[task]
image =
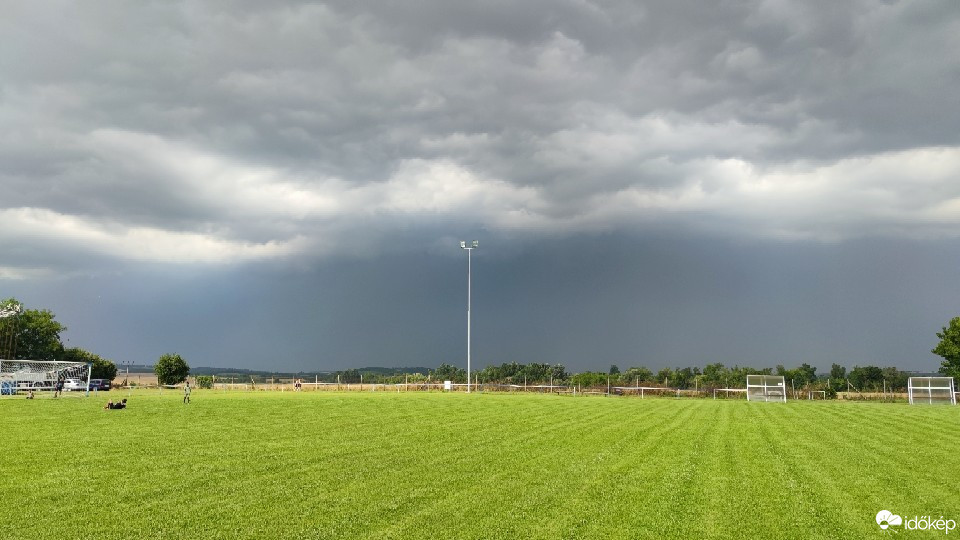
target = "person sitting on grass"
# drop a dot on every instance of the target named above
(30, 394)
(118, 405)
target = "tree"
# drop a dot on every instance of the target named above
(866, 377)
(637, 373)
(895, 379)
(838, 372)
(614, 370)
(590, 378)
(537, 373)
(32, 335)
(101, 369)
(805, 374)
(558, 373)
(350, 376)
(446, 372)
(949, 348)
(715, 375)
(171, 369)
(683, 378)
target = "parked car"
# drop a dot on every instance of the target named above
(71, 385)
(99, 384)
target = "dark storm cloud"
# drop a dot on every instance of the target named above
(208, 136)
(587, 302)
(633, 96)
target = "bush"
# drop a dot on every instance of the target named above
(205, 381)
(171, 369)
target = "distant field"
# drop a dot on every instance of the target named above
(416, 465)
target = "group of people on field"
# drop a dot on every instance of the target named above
(122, 404)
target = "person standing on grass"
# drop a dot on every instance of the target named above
(186, 392)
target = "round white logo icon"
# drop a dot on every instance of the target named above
(885, 518)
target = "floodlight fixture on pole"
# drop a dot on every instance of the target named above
(473, 245)
(10, 310)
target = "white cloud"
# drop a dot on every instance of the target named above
(907, 193)
(221, 183)
(17, 273)
(45, 229)
(253, 212)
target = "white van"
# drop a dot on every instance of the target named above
(74, 384)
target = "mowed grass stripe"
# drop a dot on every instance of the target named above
(389, 465)
(567, 465)
(880, 446)
(520, 468)
(624, 497)
(812, 443)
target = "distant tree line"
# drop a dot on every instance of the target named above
(716, 375)
(34, 334)
(507, 373)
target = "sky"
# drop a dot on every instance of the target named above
(284, 185)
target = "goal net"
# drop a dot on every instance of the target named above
(41, 375)
(766, 388)
(931, 390)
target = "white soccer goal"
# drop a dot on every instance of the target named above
(931, 390)
(766, 388)
(41, 375)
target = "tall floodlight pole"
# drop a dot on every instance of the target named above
(473, 245)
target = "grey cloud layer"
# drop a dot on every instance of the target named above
(219, 132)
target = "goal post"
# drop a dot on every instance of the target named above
(43, 375)
(931, 390)
(766, 388)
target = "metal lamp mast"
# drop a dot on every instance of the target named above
(473, 245)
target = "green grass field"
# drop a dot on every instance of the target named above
(415, 465)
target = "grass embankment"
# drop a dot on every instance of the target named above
(415, 465)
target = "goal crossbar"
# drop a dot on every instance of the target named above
(727, 391)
